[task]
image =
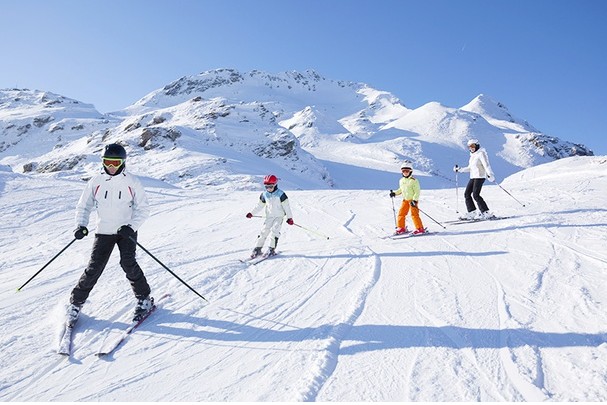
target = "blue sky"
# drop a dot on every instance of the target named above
(546, 60)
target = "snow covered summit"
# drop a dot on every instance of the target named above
(222, 124)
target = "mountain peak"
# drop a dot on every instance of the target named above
(487, 106)
(496, 113)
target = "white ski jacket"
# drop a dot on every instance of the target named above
(479, 166)
(276, 204)
(119, 200)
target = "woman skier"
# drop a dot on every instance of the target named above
(479, 169)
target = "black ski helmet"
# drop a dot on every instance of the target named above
(114, 150)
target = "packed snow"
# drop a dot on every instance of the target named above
(508, 310)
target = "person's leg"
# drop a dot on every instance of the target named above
(275, 232)
(102, 249)
(265, 231)
(129, 264)
(468, 196)
(476, 194)
(417, 221)
(402, 214)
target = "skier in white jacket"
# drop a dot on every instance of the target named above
(276, 204)
(479, 169)
(122, 207)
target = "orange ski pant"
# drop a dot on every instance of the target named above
(402, 213)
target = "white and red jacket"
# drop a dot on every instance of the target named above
(119, 200)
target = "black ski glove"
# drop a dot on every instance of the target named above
(392, 194)
(125, 231)
(81, 232)
(413, 203)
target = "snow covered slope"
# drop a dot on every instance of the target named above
(510, 310)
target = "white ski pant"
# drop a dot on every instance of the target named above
(271, 226)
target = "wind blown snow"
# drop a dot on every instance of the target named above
(509, 310)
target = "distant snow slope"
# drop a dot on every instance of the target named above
(510, 310)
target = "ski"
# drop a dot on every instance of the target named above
(258, 259)
(395, 235)
(411, 235)
(110, 347)
(467, 221)
(65, 344)
(263, 257)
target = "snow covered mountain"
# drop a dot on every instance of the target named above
(223, 125)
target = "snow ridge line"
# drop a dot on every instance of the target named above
(326, 364)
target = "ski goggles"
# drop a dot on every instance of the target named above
(270, 186)
(406, 169)
(113, 162)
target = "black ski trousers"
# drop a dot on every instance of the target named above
(473, 190)
(102, 249)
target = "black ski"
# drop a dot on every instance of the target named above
(111, 346)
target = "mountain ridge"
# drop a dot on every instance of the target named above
(303, 122)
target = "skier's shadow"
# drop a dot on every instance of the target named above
(396, 254)
(367, 338)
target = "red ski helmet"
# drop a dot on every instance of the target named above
(270, 179)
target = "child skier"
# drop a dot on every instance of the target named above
(276, 204)
(410, 190)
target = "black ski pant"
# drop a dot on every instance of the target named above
(473, 190)
(102, 249)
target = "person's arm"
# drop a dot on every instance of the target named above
(141, 207)
(85, 205)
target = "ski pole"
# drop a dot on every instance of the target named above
(456, 194)
(312, 231)
(510, 194)
(431, 218)
(49, 262)
(169, 270)
(394, 212)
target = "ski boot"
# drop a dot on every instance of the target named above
(485, 215)
(144, 306)
(469, 216)
(400, 231)
(73, 312)
(271, 252)
(256, 252)
(419, 231)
